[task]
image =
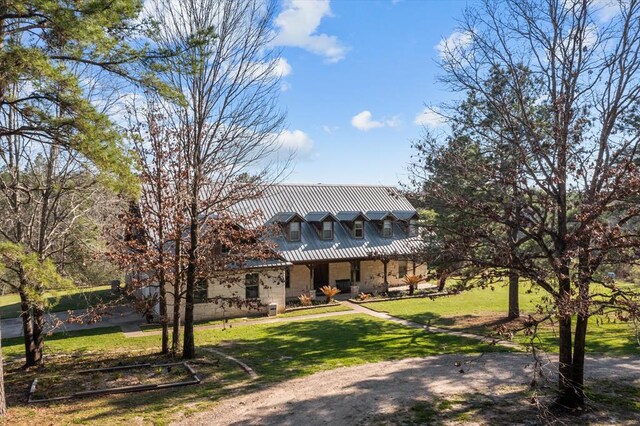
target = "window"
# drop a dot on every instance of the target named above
(200, 292)
(294, 231)
(413, 228)
(287, 278)
(402, 268)
(355, 271)
(387, 231)
(327, 230)
(358, 229)
(251, 284)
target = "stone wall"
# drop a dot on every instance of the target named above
(271, 289)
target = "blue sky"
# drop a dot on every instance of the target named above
(356, 76)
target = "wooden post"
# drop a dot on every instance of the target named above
(311, 268)
(385, 282)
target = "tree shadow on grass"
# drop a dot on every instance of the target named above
(289, 350)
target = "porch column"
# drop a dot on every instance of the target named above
(385, 282)
(311, 268)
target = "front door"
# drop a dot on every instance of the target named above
(320, 275)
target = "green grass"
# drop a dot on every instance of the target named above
(482, 310)
(277, 352)
(285, 350)
(449, 310)
(235, 321)
(314, 311)
(60, 301)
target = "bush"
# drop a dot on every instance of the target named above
(330, 292)
(305, 300)
(363, 296)
(412, 281)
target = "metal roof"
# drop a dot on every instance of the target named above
(284, 217)
(350, 216)
(380, 215)
(318, 216)
(304, 199)
(405, 214)
(341, 201)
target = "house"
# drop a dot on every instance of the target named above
(339, 235)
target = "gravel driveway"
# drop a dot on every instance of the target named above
(371, 393)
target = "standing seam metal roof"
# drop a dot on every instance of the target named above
(305, 199)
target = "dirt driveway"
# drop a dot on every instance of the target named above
(409, 391)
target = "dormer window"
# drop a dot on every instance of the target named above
(413, 228)
(358, 229)
(327, 230)
(387, 230)
(294, 231)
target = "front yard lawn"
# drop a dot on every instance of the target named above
(277, 352)
(65, 300)
(483, 310)
(315, 310)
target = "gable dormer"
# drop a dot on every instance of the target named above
(323, 223)
(290, 224)
(408, 220)
(354, 222)
(383, 222)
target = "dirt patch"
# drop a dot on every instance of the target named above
(447, 389)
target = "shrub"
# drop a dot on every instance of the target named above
(412, 281)
(329, 292)
(305, 300)
(364, 296)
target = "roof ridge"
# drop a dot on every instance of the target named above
(338, 184)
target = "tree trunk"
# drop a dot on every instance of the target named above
(567, 397)
(3, 400)
(177, 298)
(411, 289)
(188, 348)
(163, 312)
(514, 303)
(442, 280)
(580, 338)
(27, 330)
(38, 332)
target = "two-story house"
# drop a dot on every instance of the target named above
(363, 236)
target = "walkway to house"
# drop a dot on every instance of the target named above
(385, 316)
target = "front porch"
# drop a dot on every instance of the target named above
(369, 275)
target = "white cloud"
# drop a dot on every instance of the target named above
(393, 122)
(295, 142)
(454, 45)
(330, 129)
(429, 118)
(282, 68)
(298, 24)
(284, 86)
(362, 121)
(278, 68)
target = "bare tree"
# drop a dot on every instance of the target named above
(228, 123)
(577, 150)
